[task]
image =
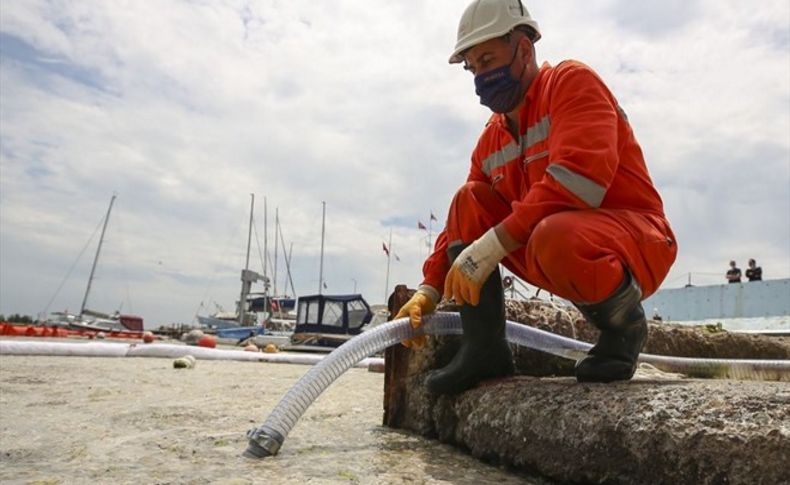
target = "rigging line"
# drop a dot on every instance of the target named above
(122, 247)
(258, 242)
(73, 265)
(270, 263)
(258, 245)
(287, 264)
(231, 235)
(260, 256)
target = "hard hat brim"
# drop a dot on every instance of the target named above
(472, 40)
(457, 56)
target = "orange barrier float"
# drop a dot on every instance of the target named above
(208, 341)
(11, 330)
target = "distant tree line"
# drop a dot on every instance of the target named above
(16, 318)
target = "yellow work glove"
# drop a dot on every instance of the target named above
(472, 267)
(421, 303)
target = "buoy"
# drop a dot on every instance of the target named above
(185, 362)
(208, 341)
(192, 337)
(101, 336)
(148, 337)
(251, 348)
(271, 349)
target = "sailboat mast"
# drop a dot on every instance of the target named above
(276, 245)
(387, 280)
(96, 258)
(321, 266)
(249, 232)
(245, 285)
(265, 241)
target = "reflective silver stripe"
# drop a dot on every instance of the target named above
(535, 134)
(579, 185)
(500, 158)
(536, 156)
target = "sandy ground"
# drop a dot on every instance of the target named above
(139, 420)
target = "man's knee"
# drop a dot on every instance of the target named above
(476, 208)
(554, 239)
(477, 194)
(570, 255)
(480, 197)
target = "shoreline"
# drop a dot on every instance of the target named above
(109, 420)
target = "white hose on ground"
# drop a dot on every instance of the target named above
(119, 349)
(83, 349)
(267, 439)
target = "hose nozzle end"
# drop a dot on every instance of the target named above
(254, 450)
(263, 442)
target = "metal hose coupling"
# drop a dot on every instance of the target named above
(264, 442)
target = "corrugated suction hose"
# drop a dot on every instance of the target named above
(267, 439)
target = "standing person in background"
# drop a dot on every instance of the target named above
(558, 192)
(734, 273)
(754, 272)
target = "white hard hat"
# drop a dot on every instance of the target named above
(488, 19)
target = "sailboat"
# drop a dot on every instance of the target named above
(254, 310)
(242, 317)
(92, 320)
(279, 308)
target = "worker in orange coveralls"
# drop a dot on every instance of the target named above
(558, 192)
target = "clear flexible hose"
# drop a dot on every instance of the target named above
(267, 439)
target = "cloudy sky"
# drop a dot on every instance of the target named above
(183, 109)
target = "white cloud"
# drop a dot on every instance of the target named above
(184, 108)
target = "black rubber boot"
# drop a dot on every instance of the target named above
(623, 326)
(484, 352)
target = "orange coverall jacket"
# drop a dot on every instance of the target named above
(573, 188)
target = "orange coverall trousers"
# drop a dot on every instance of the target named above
(579, 255)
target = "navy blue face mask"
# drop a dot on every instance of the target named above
(499, 89)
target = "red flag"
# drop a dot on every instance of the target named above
(433, 217)
(420, 225)
(385, 248)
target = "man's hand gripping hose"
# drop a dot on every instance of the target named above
(423, 302)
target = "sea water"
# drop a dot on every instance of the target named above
(139, 420)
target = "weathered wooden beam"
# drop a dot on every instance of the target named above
(396, 361)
